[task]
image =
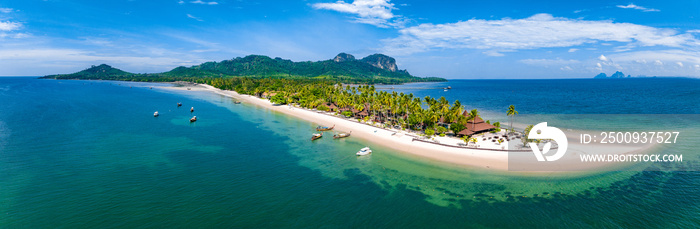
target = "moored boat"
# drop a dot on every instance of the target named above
(156, 114)
(236, 102)
(342, 135)
(364, 151)
(179, 104)
(193, 119)
(316, 136)
(324, 128)
(191, 109)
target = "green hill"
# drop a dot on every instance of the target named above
(95, 72)
(377, 68)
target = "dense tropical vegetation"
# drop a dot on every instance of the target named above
(392, 109)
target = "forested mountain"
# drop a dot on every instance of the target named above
(377, 68)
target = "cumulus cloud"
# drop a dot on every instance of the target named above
(658, 57)
(659, 62)
(602, 58)
(9, 26)
(537, 31)
(636, 7)
(373, 12)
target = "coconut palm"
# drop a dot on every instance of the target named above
(511, 114)
(472, 116)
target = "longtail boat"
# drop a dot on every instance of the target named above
(342, 135)
(324, 128)
(193, 119)
(316, 136)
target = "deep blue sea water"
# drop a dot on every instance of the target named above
(89, 154)
(569, 96)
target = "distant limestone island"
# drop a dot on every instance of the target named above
(616, 75)
(373, 69)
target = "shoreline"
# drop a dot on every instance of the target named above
(487, 159)
(484, 159)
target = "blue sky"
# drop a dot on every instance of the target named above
(450, 39)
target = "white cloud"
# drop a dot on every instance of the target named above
(9, 26)
(603, 58)
(659, 62)
(13, 35)
(548, 62)
(693, 31)
(537, 31)
(204, 3)
(658, 57)
(373, 12)
(62, 58)
(573, 50)
(193, 17)
(205, 50)
(636, 7)
(6, 10)
(566, 68)
(181, 2)
(493, 53)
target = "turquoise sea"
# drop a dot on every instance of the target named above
(90, 154)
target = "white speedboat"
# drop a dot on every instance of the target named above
(364, 151)
(156, 114)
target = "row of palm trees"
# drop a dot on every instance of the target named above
(362, 101)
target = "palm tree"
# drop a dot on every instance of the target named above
(359, 107)
(472, 116)
(511, 113)
(433, 117)
(454, 112)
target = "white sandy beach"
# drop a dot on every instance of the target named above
(478, 158)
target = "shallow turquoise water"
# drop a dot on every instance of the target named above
(87, 154)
